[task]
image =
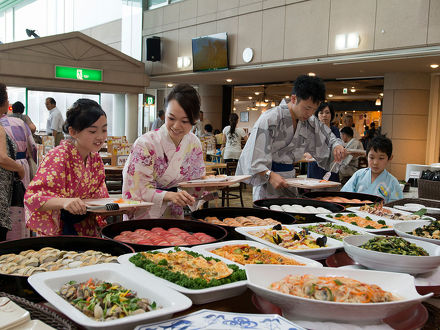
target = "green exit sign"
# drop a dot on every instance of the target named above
(66, 72)
(150, 100)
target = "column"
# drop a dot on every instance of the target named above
(131, 117)
(211, 100)
(405, 118)
(433, 143)
(118, 115)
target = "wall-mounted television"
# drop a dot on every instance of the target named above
(210, 52)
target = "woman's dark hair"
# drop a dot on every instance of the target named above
(322, 106)
(18, 107)
(217, 131)
(233, 120)
(381, 143)
(3, 94)
(208, 128)
(82, 114)
(306, 87)
(188, 99)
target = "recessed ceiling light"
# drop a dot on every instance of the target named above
(234, 108)
(236, 100)
(312, 74)
(170, 85)
(287, 96)
(250, 97)
(434, 66)
(330, 95)
(353, 90)
(229, 80)
(381, 94)
(257, 93)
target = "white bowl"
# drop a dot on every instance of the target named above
(207, 248)
(403, 228)
(46, 284)
(261, 276)
(198, 296)
(393, 262)
(317, 254)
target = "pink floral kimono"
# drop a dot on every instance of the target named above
(63, 174)
(155, 165)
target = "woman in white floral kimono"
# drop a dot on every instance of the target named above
(162, 158)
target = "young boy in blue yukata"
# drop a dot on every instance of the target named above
(375, 179)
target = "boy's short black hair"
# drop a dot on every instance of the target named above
(306, 87)
(347, 130)
(381, 143)
(208, 128)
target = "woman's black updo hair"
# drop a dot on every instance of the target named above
(82, 114)
(324, 105)
(18, 107)
(188, 99)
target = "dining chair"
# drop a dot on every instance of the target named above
(234, 191)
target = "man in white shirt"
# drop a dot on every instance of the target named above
(55, 122)
(160, 120)
(199, 127)
(348, 122)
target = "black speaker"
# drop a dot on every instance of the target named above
(153, 49)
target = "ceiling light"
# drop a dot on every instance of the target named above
(236, 100)
(287, 96)
(434, 66)
(229, 80)
(381, 94)
(266, 100)
(354, 110)
(257, 93)
(250, 97)
(353, 90)
(312, 74)
(272, 104)
(234, 109)
(170, 85)
(330, 95)
(378, 102)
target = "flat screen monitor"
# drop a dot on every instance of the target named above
(210, 52)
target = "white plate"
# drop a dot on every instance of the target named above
(216, 320)
(317, 254)
(410, 207)
(261, 276)
(46, 284)
(393, 262)
(209, 247)
(198, 296)
(356, 210)
(12, 315)
(389, 223)
(403, 228)
(356, 229)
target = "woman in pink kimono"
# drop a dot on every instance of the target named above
(162, 158)
(70, 173)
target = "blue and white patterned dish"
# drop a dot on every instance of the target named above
(210, 319)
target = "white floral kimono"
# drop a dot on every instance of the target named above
(155, 165)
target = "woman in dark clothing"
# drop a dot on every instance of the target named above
(325, 114)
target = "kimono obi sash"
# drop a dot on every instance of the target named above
(279, 167)
(20, 155)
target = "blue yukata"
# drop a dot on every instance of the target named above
(385, 185)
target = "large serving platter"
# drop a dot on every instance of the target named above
(402, 285)
(316, 254)
(403, 229)
(214, 182)
(394, 211)
(356, 229)
(329, 217)
(207, 248)
(171, 301)
(198, 296)
(425, 283)
(393, 262)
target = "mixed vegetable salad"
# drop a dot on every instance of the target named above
(394, 245)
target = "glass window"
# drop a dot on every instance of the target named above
(90, 13)
(30, 15)
(2, 27)
(151, 4)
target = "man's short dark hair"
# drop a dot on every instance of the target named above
(306, 87)
(160, 113)
(381, 143)
(348, 131)
(208, 128)
(18, 107)
(51, 100)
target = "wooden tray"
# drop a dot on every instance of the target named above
(309, 183)
(214, 182)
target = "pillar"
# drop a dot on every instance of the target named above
(131, 117)
(433, 142)
(211, 100)
(405, 118)
(118, 115)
